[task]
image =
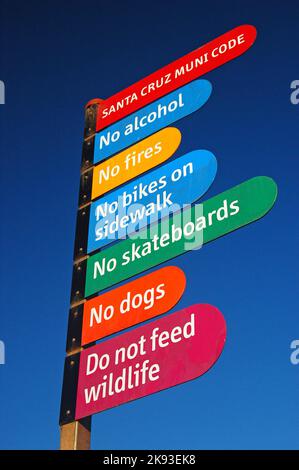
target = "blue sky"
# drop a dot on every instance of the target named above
(54, 58)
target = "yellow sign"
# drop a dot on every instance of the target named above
(135, 160)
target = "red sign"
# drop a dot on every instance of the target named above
(166, 352)
(132, 303)
(189, 67)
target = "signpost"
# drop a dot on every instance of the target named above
(134, 161)
(183, 232)
(189, 67)
(75, 434)
(175, 349)
(152, 118)
(151, 197)
(132, 303)
(180, 346)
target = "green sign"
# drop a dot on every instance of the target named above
(186, 230)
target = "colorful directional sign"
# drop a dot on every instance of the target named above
(152, 118)
(132, 138)
(189, 67)
(150, 198)
(185, 231)
(134, 161)
(132, 303)
(151, 358)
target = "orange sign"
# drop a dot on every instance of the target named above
(135, 160)
(132, 303)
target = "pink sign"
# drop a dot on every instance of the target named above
(166, 352)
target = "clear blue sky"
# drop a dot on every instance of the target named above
(55, 56)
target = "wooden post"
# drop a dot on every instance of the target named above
(75, 435)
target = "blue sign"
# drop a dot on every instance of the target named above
(147, 199)
(152, 118)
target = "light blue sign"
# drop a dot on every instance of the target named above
(147, 199)
(151, 119)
